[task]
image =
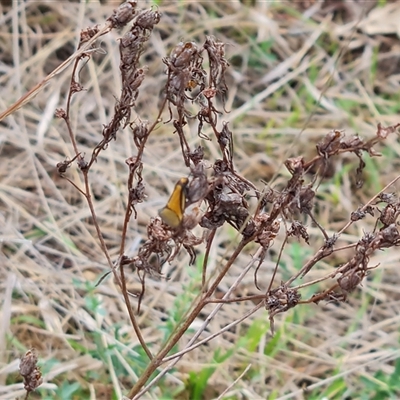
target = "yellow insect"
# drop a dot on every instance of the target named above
(172, 213)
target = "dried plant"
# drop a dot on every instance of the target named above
(214, 193)
(30, 372)
(211, 201)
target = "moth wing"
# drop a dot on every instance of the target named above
(170, 217)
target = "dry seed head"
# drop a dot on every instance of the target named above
(87, 34)
(351, 280)
(147, 19)
(30, 371)
(123, 14)
(182, 54)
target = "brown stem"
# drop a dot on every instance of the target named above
(205, 262)
(72, 136)
(122, 283)
(173, 340)
(138, 157)
(132, 316)
(37, 88)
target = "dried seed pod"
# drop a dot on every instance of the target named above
(30, 371)
(123, 14)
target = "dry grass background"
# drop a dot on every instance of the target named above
(295, 67)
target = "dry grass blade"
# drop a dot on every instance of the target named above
(38, 87)
(155, 238)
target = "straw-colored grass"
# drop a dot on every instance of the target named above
(298, 70)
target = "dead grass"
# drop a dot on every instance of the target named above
(295, 69)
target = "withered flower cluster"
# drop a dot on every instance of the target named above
(30, 371)
(197, 93)
(189, 82)
(297, 198)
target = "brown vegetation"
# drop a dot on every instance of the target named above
(88, 230)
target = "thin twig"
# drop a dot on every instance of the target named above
(37, 88)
